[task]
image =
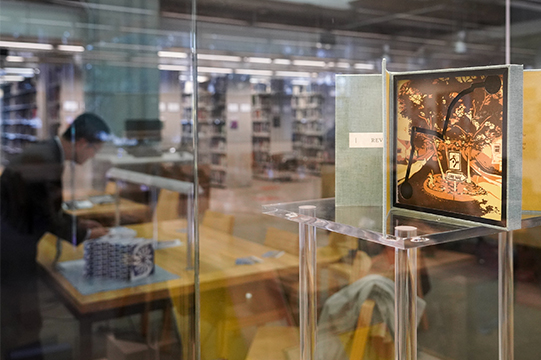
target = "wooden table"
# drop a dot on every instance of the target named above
(217, 270)
(130, 212)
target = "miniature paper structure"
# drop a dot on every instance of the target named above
(119, 255)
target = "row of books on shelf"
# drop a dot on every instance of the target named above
(261, 127)
(316, 157)
(18, 100)
(217, 178)
(261, 144)
(262, 100)
(302, 103)
(34, 122)
(312, 126)
(21, 136)
(204, 134)
(261, 157)
(19, 130)
(218, 159)
(204, 114)
(308, 114)
(262, 114)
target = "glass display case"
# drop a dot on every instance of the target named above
(245, 101)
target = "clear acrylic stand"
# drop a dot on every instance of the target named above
(308, 285)
(408, 235)
(155, 183)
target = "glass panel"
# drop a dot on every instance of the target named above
(266, 93)
(524, 35)
(289, 52)
(97, 185)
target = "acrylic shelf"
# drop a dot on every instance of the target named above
(365, 222)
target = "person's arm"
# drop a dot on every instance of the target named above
(62, 226)
(37, 180)
(48, 201)
(97, 232)
(93, 229)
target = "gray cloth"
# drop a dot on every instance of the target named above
(341, 311)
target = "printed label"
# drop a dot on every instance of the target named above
(365, 140)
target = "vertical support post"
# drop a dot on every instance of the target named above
(194, 344)
(508, 32)
(154, 207)
(190, 215)
(117, 203)
(505, 295)
(72, 195)
(308, 284)
(405, 302)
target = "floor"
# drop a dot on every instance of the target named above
(462, 307)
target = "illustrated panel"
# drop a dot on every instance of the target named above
(450, 146)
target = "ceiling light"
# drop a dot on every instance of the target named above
(309, 63)
(254, 72)
(300, 82)
(12, 78)
(259, 60)
(292, 73)
(460, 45)
(11, 58)
(71, 105)
(19, 71)
(172, 54)
(282, 61)
(343, 65)
(364, 66)
(71, 48)
(386, 53)
(188, 88)
(214, 70)
(219, 57)
(256, 80)
(25, 45)
(172, 67)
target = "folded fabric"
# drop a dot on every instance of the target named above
(340, 312)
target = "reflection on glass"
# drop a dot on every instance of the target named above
(31, 208)
(266, 113)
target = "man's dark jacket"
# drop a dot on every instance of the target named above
(31, 200)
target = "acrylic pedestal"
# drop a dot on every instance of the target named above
(406, 233)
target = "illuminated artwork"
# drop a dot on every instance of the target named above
(450, 142)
